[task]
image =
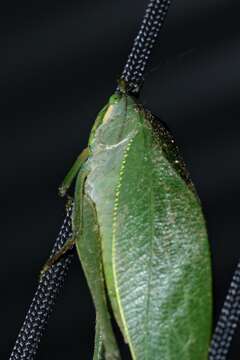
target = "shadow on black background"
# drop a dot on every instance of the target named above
(59, 63)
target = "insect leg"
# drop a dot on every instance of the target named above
(98, 342)
(77, 222)
(73, 172)
(55, 258)
(88, 243)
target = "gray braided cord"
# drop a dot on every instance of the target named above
(29, 337)
(153, 20)
(228, 320)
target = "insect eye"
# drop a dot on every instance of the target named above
(114, 98)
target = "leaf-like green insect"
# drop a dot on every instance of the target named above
(137, 220)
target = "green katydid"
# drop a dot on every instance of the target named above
(141, 237)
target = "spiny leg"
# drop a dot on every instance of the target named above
(77, 217)
(77, 222)
(88, 243)
(98, 342)
(73, 172)
(66, 247)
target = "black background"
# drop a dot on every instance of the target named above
(58, 65)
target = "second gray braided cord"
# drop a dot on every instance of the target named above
(228, 320)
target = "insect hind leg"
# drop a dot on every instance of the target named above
(77, 222)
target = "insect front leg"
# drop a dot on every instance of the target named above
(73, 172)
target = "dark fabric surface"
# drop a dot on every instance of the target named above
(59, 63)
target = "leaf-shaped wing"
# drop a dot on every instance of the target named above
(161, 260)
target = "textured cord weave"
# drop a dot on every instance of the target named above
(29, 337)
(228, 320)
(137, 61)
